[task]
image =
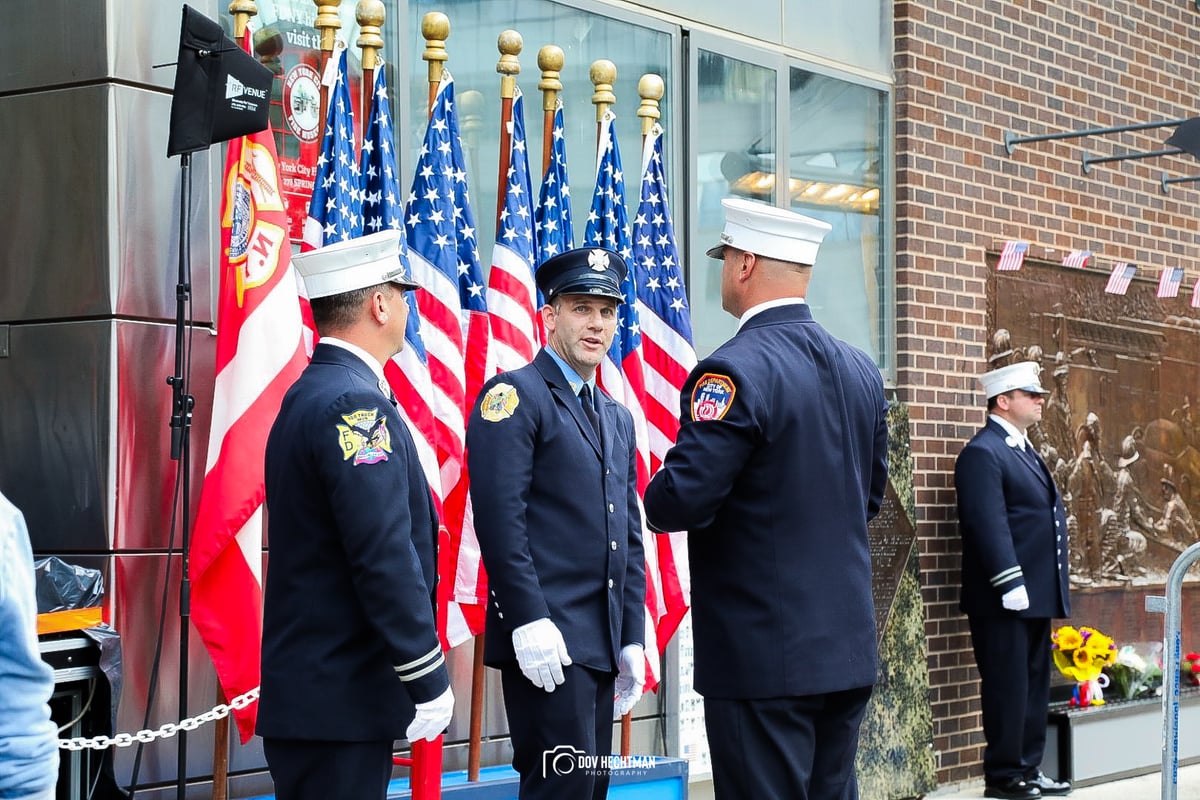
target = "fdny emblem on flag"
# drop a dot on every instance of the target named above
(499, 403)
(364, 437)
(712, 397)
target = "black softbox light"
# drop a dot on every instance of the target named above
(221, 91)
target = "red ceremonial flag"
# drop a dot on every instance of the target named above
(260, 353)
(1169, 281)
(1012, 256)
(1119, 279)
(1077, 258)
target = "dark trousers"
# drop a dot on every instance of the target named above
(1013, 656)
(785, 748)
(553, 731)
(313, 770)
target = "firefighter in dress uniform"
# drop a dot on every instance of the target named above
(350, 656)
(780, 461)
(553, 469)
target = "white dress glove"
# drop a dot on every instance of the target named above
(541, 653)
(631, 678)
(1015, 599)
(432, 717)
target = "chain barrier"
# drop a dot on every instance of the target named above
(163, 732)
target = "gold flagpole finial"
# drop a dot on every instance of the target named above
(550, 61)
(435, 27)
(509, 44)
(651, 89)
(241, 11)
(328, 22)
(370, 15)
(603, 74)
(470, 106)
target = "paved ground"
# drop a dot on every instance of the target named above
(1144, 787)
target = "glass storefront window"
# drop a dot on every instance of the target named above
(834, 175)
(732, 135)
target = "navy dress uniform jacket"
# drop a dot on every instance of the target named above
(776, 492)
(1014, 529)
(349, 636)
(556, 515)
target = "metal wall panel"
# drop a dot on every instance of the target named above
(55, 42)
(94, 207)
(57, 430)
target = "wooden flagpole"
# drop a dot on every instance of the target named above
(370, 15)
(509, 44)
(435, 27)
(603, 73)
(328, 23)
(550, 61)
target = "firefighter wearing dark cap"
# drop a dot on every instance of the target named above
(554, 489)
(779, 463)
(350, 653)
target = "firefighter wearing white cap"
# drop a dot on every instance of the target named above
(350, 655)
(780, 461)
(1014, 579)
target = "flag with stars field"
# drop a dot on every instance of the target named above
(335, 210)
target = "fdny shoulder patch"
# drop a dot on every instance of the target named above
(712, 397)
(365, 437)
(499, 403)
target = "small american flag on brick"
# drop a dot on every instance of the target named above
(1118, 280)
(1169, 281)
(1012, 256)
(1077, 258)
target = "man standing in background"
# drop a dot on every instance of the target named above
(1014, 579)
(28, 739)
(780, 462)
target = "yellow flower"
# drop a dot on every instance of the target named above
(1067, 638)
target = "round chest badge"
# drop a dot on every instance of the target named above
(302, 102)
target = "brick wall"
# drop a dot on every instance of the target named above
(966, 72)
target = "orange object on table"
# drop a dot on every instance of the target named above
(74, 619)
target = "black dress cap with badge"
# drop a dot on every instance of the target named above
(586, 270)
(769, 231)
(356, 264)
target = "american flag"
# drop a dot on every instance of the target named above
(1118, 281)
(622, 373)
(552, 220)
(511, 293)
(1169, 281)
(1012, 256)
(408, 371)
(669, 356)
(1077, 258)
(260, 351)
(335, 210)
(456, 332)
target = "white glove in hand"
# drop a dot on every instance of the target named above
(432, 717)
(1015, 599)
(541, 653)
(631, 678)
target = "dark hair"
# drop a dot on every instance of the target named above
(337, 312)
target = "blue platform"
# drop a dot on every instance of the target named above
(655, 778)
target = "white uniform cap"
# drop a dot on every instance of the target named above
(1023, 375)
(769, 231)
(354, 264)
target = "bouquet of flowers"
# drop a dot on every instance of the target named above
(1189, 670)
(1137, 671)
(1082, 655)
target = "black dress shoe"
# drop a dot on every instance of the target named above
(1012, 789)
(1048, 785)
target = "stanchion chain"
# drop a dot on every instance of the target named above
(165, 731)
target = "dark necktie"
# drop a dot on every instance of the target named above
(589, 408)
(1032, 457)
